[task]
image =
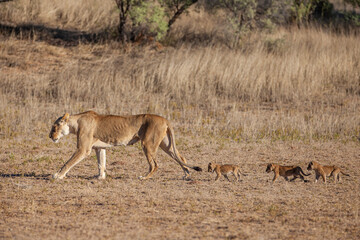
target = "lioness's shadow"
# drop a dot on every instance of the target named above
(26, 175)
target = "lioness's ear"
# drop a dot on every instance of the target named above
(66, 117)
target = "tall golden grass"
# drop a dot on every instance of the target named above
(85, 15)
(294, 84)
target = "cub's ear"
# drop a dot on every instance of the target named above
(66, 117)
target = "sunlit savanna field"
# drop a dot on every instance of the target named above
(289, 96)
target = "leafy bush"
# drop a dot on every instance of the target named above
(151, 17)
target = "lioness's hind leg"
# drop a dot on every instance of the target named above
(153, 166)
(166, 147)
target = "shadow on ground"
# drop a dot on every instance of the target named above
(28, 175)
(53, 36)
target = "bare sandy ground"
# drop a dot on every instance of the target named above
(33, 206)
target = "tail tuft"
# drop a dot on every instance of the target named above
(197, 169)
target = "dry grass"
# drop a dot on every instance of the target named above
(301, 84)
(81, 15)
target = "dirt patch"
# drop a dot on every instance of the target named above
(167, 207)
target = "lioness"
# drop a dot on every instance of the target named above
(102, 131)
(224, 170)
(286, 171)
(325, 171)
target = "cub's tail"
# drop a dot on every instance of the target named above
(304, 173)
(345, 174)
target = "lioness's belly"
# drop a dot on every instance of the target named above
(100, 144)
(115, 142)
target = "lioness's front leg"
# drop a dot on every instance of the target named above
(101, 158)
(79, 155)
(84, 146)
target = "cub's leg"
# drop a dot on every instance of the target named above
(336, 174)
(338, 177)
(295, 177)
(302, 177)
(101, 158)
(323, 175)
(236, 174)
(239, 175)
(218, 175)
(226, 176)
(275, 177)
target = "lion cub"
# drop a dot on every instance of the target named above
(286, 171)
(225, 170)
(325, 171)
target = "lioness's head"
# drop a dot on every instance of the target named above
(211, 167)
(60, 128)
(269, 167)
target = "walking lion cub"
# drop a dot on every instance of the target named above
(325, 171)
(225, 170)
(286, 171)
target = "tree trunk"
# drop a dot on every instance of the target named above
(179, 12)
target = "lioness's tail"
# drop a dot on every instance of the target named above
(304, 173)
(344, 173)
(171, 135)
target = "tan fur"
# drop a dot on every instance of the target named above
(225, 170)
(325, 171)
(95, 131)
(286, 171)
